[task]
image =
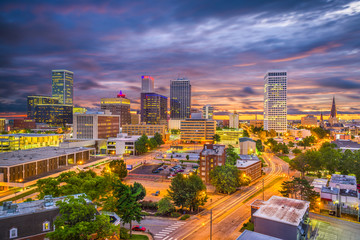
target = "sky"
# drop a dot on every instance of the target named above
(223, 47)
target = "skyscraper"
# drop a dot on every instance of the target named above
(234, 120)
(147, 84)
(153, 108)
(180, 98)
(118, 106)
(208, 111)
(62, 86)
(275, 107)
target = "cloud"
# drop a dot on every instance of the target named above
(88, 84)
(339, 83)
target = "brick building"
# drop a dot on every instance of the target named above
(211, 156)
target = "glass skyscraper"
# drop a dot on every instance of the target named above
(180, 98)
(62, 86)
(275, 96)
(147, 84)
(153, 108)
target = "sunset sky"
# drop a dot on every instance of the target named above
(223, 47)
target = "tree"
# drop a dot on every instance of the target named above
(187, 157)
(187, 191)
(126, 205)
(225, 178)
(231, 155)
(246, 133)
(165, 206)
(119, 168)
(301, 164)
(78, 220)
(272, 133)
(48, 186)
(319, 132)
(296, 151)
(259, 145)
(141, 145)
(216, 138)
(291, 144)
(153, 143)
(330, 156)
(159, 139)
(139, 190)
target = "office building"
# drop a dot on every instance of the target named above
(2, 124)
(281, 217)
(96, 126)
(79, 110)
(122, 145)
(309, 120)
(24, 123)
(247, 146)
(250, 165)
(23, 141)
(180, 98)
(257, 123)
(28, 165)
(229, 136)
(211, 156)
(153, 108)
(135, 117)
(62, 86)
(118, 106)
(197, 130)
(147, 84)
(174, 124)
(33, 101)
(147, 129)
(234, 120)
(275, 97)
(208, 112)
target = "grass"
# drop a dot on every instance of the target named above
(285, 158)
(22, 195)
(247, 226)
(139, 237)
(269, 185)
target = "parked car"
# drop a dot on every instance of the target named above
(183, 167)
(160, 168)
(165, 166)
(172, 169)
(138, 228)
(156, 171)
(180, 170)
(157, 193)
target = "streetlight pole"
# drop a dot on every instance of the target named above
(263, 189)
(210, 220)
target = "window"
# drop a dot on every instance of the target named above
(13, 233)
(46, 226)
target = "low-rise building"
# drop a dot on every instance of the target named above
(197, 130)
(250, 235)
(249, 165)
(318, 184)
(247, 146)
(147, 129)
(299, 133)
(283, 218)
(21, 168)
(257, 123)
(174, 123)
(309, 120)
(343, 182)
(122, 145)
(23, 141)
(347, 145)
(229, 136)
(211, 156)
(24, 124)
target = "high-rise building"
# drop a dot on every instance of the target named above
(153, 108)
(147, 84)
(234, 120)
(118, 106)
(275, 107)
(180, 98)
(208, 111)
(62, 86)
(2, 124)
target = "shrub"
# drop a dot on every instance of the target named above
(149, 205)
(184, 217)
(175, 214)
(124, 233)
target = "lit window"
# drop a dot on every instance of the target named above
(13, 233)
(46, 226)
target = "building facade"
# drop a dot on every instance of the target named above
(147, 129)
(197, 130)
(250, 165)
(275, 101)
(118, 106)
(211, 156)
(234, 120)
(153, 108)
(180, 98)
(63, 86)
(208, 111)
(147, 84)
(247, 146)
(122, 145)
(23, 141)
(95, 126)
(229, 136)
(309, 120)
(24, 124)
(2, 124)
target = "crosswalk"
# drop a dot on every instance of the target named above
(163, 234)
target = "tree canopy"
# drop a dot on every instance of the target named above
(227, 178)
(119, 168)
(231, 155)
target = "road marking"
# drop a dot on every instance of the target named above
(166, 238)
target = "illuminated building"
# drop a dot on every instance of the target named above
(180, 98)
(96, 126)
(147, 129)
(333, 119)
(48, 110)
(122, 145)
(197, 130)
(211, 156)
(24, 124)
(118, 106)
(23, 141)
(79, 110)
(275, 97)
(208, 111)
(62, 86)
(22, 168)
(153, 108)
(229, 136)
(135, 117)
(234, 120)
(247, 146)
(257, 123)
(147, 84)
(250, 165)
(309, 120)
(2, 124)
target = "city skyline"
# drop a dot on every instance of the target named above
(228, 47)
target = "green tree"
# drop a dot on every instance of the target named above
(291, 144)
(296, 151)
(141, 145)
(272, 133)
(259, 145)
(139, 190)
(330, 157)
(153, 143)
(48, 186)
(246, 133)
(165, 206)
(187, 157)
(119, 168)
(78, 220)
(301, 164)
(159, 139)
(231, 155)
(216, 138)
(225, 178)
(319, 132)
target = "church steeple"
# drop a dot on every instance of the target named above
(333, 109)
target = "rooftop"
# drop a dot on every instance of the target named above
(330, 190)
(319, 182)
(31, 155)
(213, 149)
(244, 139)
(343, 179)
(28, 135)
(285, 210)
(348, 192)
(347, 144)
(250, 235)
(257, 203)
(252, 157)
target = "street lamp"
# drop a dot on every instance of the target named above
(210, 220)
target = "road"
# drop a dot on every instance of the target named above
(229, 213)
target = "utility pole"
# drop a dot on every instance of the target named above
(263, 190)
(210, 220)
